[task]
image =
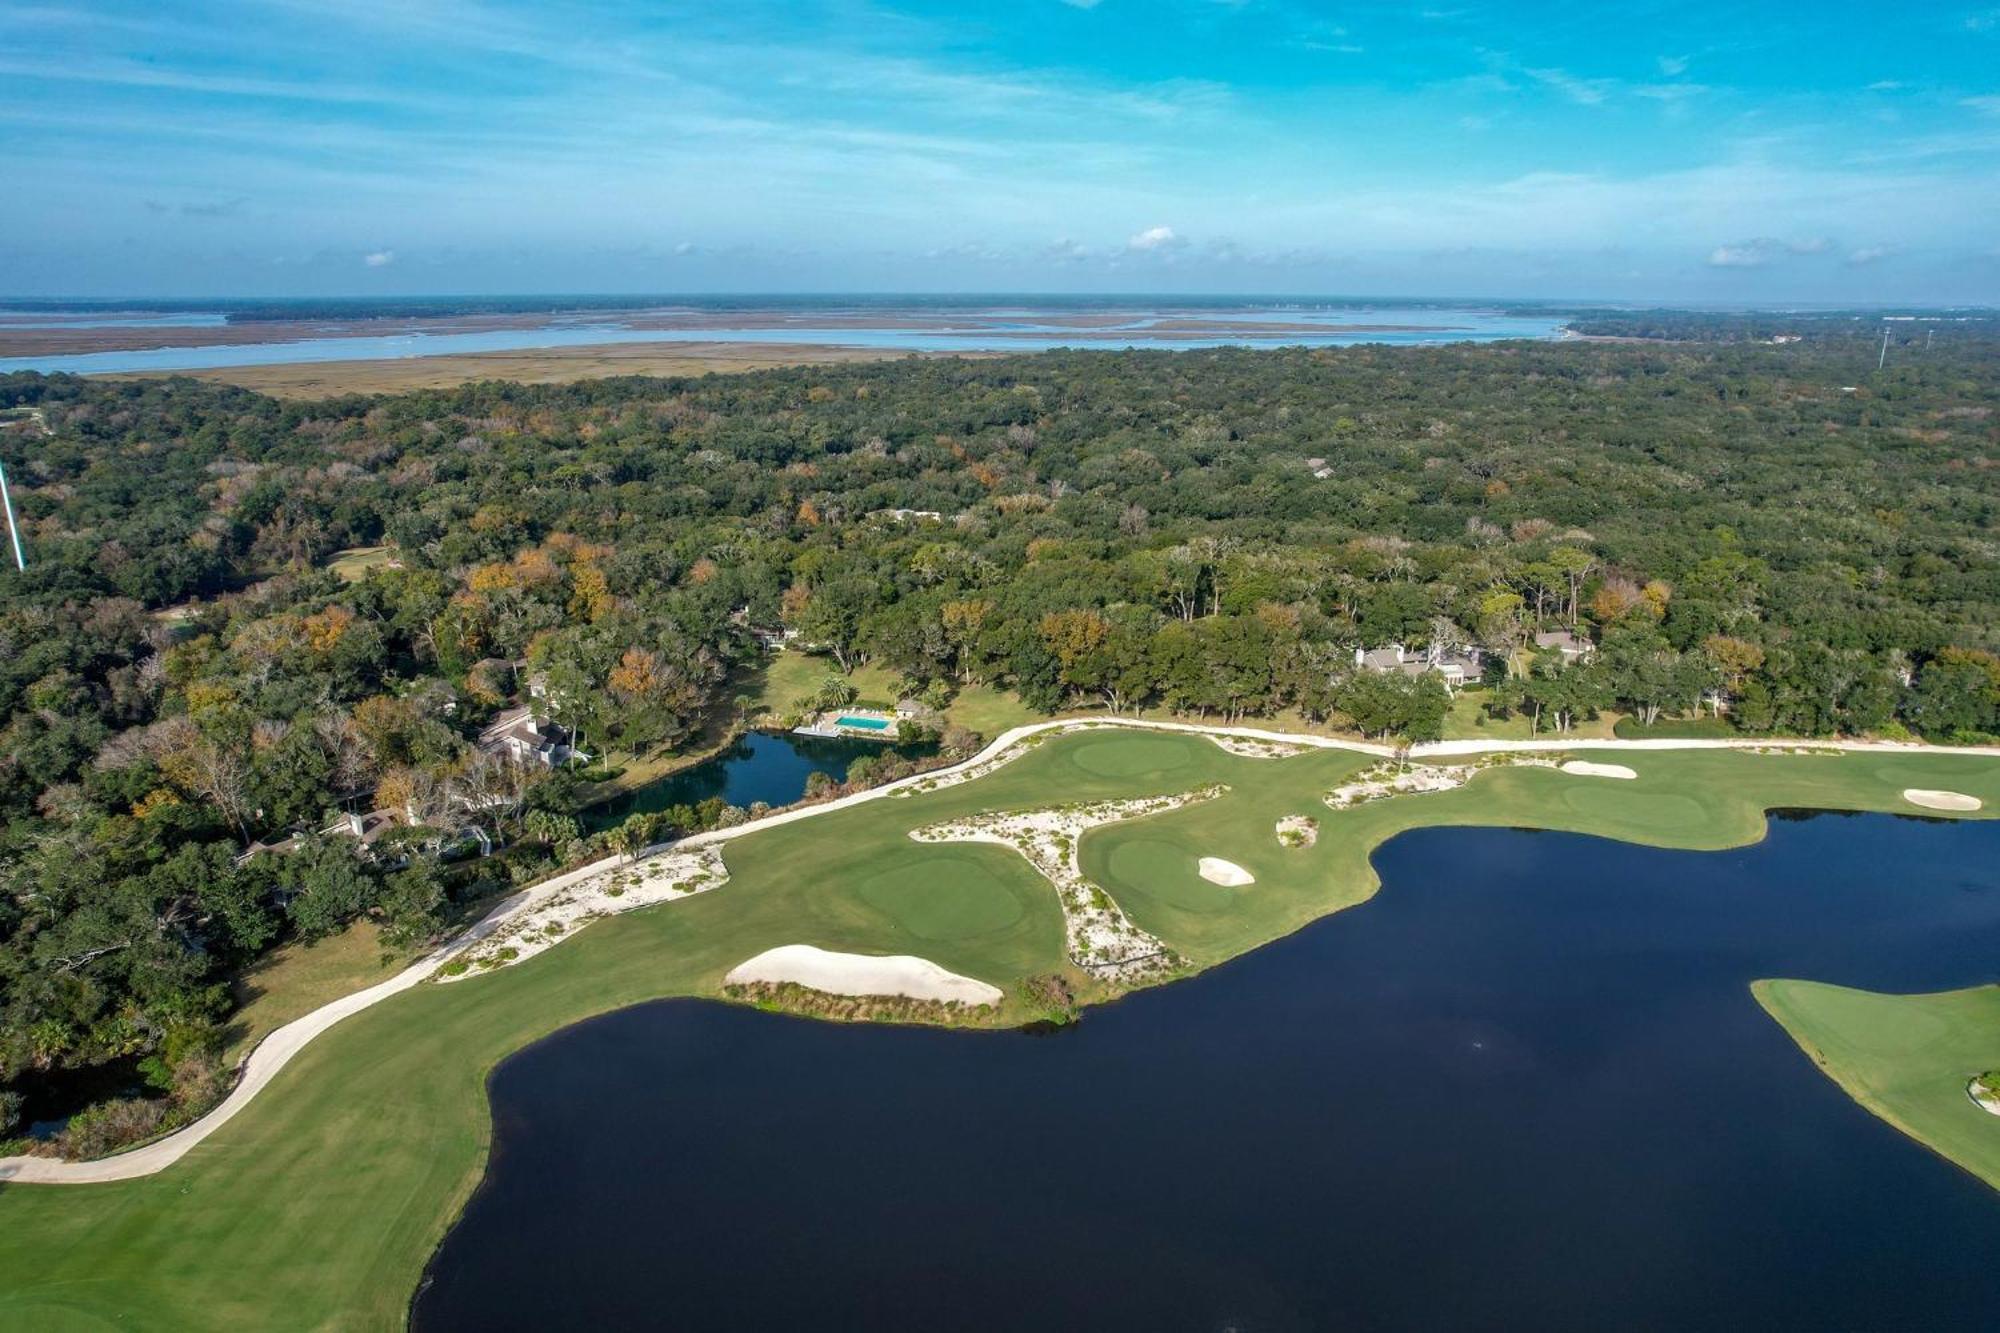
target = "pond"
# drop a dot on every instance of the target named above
(771, 767)
(1523, 1087)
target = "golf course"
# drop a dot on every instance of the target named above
(318, 1205)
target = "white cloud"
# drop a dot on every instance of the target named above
(1082, 4)
(379, 258)
(1156, 238)
(1762, 250)
(1885, 86)
(1870, 254)
(1988, 105)
(1670, 93)
(1673, 65)
(1587, 92)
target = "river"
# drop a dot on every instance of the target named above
(982, 331)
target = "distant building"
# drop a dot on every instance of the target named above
(1319, 467)
(909, 515)
(1572, 647)
(1455, 667)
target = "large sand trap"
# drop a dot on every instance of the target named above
(1583, 768)
(1218, 871)
(1940, 800)
(862, 974)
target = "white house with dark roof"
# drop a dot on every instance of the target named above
(519, 735)
(1455, 667)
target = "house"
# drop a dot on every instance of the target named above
(909, 515)
(519, 735)
(1319, 467)
(1455, 667)
(1572, 647)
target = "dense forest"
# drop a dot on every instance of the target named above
(1779, 539)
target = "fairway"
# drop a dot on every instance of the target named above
(362, 1151)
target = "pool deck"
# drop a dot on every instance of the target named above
(837, 723)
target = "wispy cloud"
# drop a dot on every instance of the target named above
(1156, 239)
(378, 258)
(1586, 92)
(1765, 250)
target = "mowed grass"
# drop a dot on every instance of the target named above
(788, 676)
(354, 563)
(318, 1205)
(297, 979)
(1907, 1058)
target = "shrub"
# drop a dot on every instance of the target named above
(109, 1126)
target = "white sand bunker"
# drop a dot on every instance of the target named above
(1227, 873)
(862, 974)
(1940, 800)
(1583, 768)
(1984, 1095)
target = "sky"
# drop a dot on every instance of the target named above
(1743, 152)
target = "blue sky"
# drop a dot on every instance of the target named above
(1744, 152)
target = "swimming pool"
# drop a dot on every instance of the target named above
(863, 723)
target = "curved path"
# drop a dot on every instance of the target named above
(276, 1050)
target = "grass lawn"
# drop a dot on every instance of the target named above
(319, 1204)
(354, 563)
(1467, 721)
(790, 675)
(297, 979)
(1907, 1058)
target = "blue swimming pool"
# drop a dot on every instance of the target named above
(863, 723)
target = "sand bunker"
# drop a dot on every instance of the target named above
(1583, 768)
(1227, 873)
(1940, 800)
(862, 974)
(1985, 1098)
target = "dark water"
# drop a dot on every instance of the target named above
(758, 767)
(50, 1098)
(1523, 1088)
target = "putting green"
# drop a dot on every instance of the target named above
(1137, 754)
(1907, 1058)
(318, 1205)
(947, 893)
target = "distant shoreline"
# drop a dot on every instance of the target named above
(191, 341)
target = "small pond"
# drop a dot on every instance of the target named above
(771, 767)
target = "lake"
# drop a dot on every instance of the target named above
(758, 766)
(1523, 1087)
(978, 330)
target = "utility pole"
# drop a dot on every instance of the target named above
(13, 527)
